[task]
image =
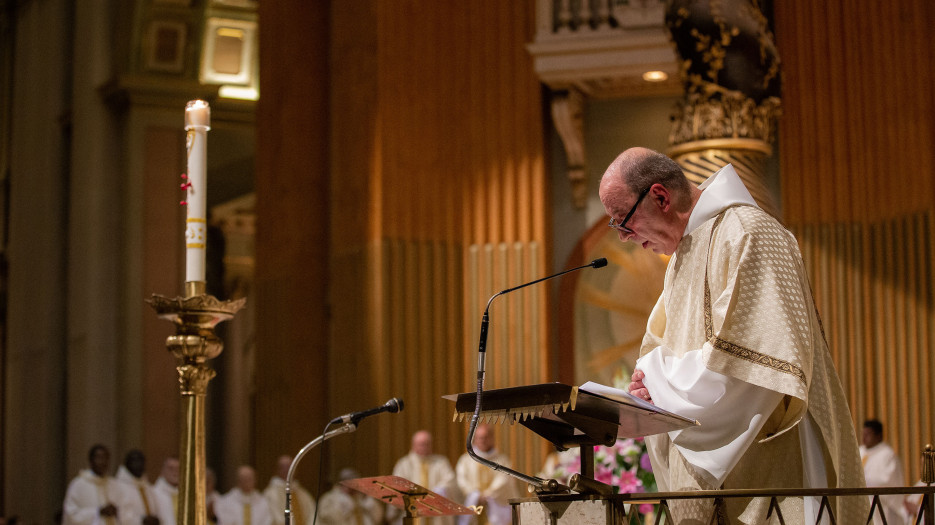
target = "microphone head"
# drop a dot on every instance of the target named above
(394, 405)
(599, 263)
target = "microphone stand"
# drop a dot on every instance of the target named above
(541, 485)
(347, 428)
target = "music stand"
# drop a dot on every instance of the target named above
(415, 500)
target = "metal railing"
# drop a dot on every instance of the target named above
(924, 514)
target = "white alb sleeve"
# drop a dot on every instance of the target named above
(730, 411)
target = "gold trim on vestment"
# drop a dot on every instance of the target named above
(758, 358)
(735, 349)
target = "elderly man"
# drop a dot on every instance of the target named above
(734, 341)
(432, 471)
(243, 504)
(166, 490)
(303, 505)
(483, 486)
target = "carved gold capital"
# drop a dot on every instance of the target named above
(193, 379)
(732, 115)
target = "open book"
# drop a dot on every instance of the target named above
(652, 419)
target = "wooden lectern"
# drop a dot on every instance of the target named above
(571, 416)
(416, 501)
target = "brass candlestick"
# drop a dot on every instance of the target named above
(194, 342)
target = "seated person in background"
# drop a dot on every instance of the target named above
(92, 498)
(432, 471)
(345, 506)
(303, 505)
(243, 504)
(139, 502)
(882, 468)
(484, 486)
(166, 490)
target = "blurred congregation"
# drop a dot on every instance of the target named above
(100, 496)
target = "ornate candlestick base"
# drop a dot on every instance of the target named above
(195, 317)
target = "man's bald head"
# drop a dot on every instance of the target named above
(422, 443)
(638, 168)
(282, 466)
(246, 479)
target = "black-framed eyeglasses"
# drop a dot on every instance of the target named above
(622, 225)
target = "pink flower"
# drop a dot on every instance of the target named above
(628, 482)
(645, 508)
(604, 475)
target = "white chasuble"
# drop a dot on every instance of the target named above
(735, 341)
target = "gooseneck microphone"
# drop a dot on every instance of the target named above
(482, 346)
(393, 405)
(349, 424)
(539, 483)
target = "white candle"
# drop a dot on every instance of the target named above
(197, 124)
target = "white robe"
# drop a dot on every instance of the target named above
(441, 480)
(339, 507)
(303, 505)
(138, 498)
(883, 468)
(231, 508)
(166, 501)
(85, 496)
(481, 484)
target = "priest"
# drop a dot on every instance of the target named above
(733, 341)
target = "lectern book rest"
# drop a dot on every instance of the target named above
(568, 416)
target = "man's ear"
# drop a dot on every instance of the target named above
(661, 197)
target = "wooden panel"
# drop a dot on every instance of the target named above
(857, 126)
(292, 257)
(857, 184)
(879, 327)
(435, 150)
(516, 334)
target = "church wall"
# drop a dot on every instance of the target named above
(292, 225)
(437, 156)
(35, 362)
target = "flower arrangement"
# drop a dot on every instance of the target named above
(624, 465)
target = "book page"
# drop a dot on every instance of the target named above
(625, 397)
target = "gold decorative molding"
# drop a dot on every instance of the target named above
(193, 379)
(733, 115)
